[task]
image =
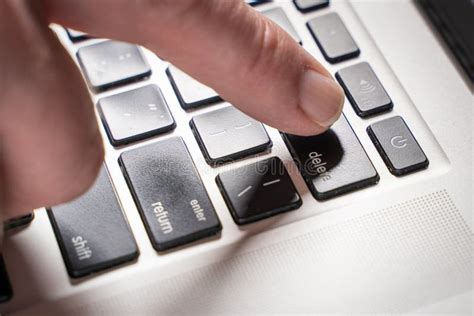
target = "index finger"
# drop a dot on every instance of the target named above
(228, 46)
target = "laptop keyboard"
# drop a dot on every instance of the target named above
(172, 200)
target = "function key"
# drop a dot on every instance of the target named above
(398, 147)
(364, 90)
(332, 163)
(310, 5)
(169, 194)
(258, 191)
(190, 92)
(92, 231)
(135, 115)
(228, 134)
(111, 63)
(333, 38)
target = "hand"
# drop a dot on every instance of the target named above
(50, 147)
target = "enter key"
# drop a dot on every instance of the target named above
(169, 194)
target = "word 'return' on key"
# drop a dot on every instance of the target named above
(169, 194)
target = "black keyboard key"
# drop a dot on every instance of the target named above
(6, 291)
(258, 191)
(92, 231)
(310, 5)
(18, 221)
(397, 146)
(279, 16)
(228, 134)
(334, 162)
(135, 115)
(364, 90)
(333, 38)
(110, 63)
(190, 92)
(169, 194)
(76, 36)
(257, 2)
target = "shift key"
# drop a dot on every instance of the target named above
(92, 231)
(169, 194)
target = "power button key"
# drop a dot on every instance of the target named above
(398, 147)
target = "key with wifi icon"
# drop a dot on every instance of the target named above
(364, 90)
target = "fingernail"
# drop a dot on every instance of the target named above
(321, 98)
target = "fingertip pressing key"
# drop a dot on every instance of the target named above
(321, 98)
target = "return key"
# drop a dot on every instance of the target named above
(169, 194)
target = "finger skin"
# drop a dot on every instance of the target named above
(227, 45)
(50, 145)
(50, 150)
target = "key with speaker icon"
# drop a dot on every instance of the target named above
(364, 90)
